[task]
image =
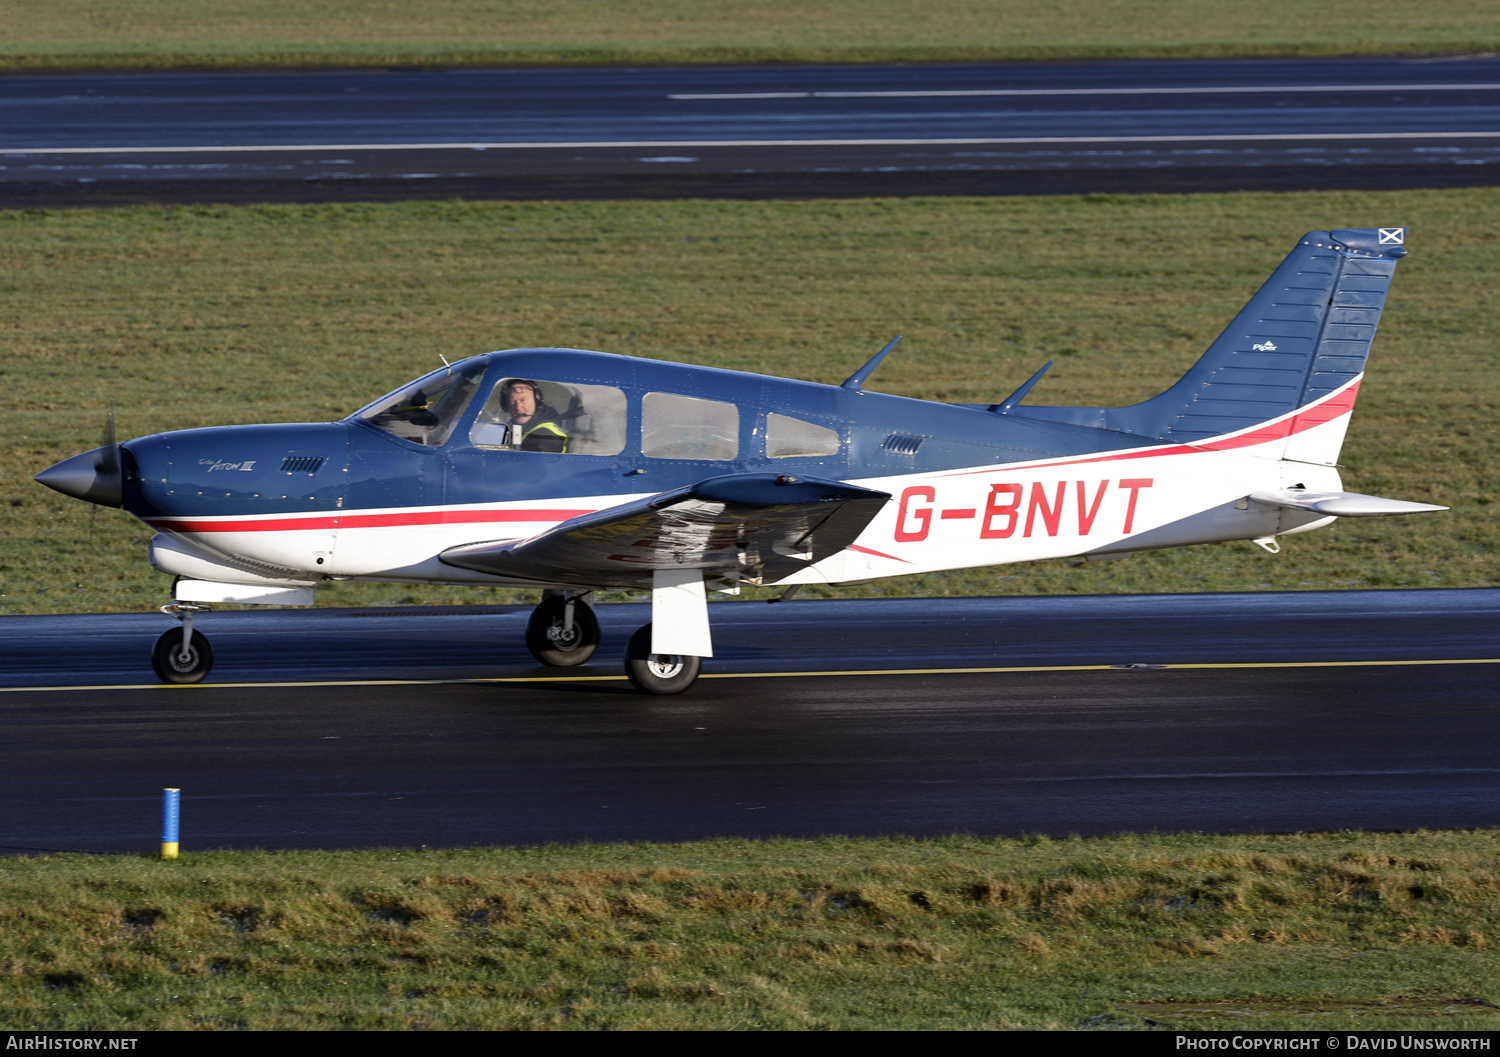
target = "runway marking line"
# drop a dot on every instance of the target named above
(924, 93)
(654, 144)
(752, 675)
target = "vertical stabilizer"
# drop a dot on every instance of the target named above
(1303, 337)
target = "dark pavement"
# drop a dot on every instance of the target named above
(748, 131)
(1295, 739)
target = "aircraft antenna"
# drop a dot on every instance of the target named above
(1020, 394)
(856, 380)
(446, 363)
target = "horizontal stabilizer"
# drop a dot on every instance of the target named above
(1342, 504)
(759, 527)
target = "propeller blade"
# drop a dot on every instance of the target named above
(109, 451)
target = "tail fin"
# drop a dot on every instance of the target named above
(1304, 335)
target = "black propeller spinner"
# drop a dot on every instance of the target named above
(94, 476)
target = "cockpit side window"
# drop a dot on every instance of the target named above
(427, 410)
(788, 437)
(688, 427)
(535, 414)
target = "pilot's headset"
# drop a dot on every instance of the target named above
(511, 383)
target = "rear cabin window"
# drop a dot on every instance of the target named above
(427, 410)
(788, 437)
(688, 427)
(538, 414)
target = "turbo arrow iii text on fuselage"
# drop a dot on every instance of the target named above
(574, 471)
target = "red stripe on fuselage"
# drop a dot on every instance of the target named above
(356, 520)
(867, 550)
(1297, 422)
(1301, 422)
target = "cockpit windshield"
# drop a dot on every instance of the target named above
(427, 410)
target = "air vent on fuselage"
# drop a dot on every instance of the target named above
(901, 444)
(308, 464)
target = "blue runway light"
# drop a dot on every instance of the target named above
(171, 802)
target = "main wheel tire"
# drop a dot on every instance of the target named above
(169, 663)
(658, 673)
(548, 644)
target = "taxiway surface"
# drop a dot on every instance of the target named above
(359, 728)
(749, 131)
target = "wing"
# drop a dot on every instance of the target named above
(760, 527)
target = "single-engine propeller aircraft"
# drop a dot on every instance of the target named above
(573, 471)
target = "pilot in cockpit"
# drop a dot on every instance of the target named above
(532, 425)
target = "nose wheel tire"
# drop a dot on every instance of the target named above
(172, 666)
(658, 673)
(550, 644)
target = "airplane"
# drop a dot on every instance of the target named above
(575, 471)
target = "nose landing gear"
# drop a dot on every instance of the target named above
(183, 656)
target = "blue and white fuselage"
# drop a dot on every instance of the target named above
(574, 470)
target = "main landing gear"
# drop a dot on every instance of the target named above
(563, 633)
(658, 673)
(183, 656)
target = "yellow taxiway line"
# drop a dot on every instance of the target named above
(752, 675)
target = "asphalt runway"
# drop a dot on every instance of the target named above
(748, 131)
(1090, 715)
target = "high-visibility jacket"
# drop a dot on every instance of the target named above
(544, 436)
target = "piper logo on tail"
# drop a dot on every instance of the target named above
(1263, 346)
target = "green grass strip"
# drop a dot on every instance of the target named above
(1312, 931)
(431, 60)
(137, 34)
(184, 317)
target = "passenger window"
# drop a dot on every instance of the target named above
(788, 437)
(686, 427)
(427, 410)
(532, 414)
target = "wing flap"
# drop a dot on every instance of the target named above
(760, 527)
(1342, 504)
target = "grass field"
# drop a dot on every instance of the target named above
(1344, 930)
(184, 317)
(125, 34)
